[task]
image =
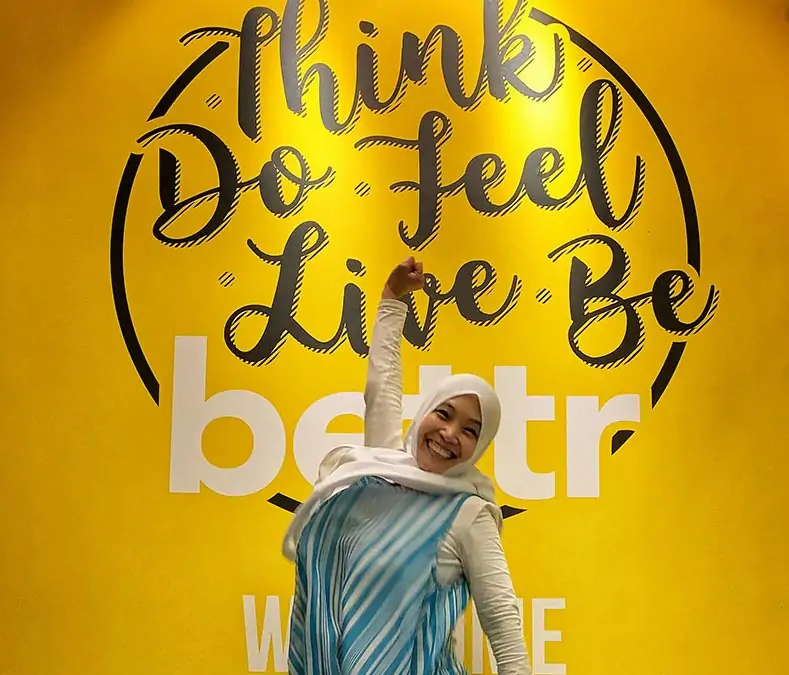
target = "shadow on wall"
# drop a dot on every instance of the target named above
(36, 37)
(773, 8)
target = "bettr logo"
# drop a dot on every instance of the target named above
(192, 413)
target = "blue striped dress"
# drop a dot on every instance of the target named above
(367, 599)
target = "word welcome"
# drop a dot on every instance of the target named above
(270, 642)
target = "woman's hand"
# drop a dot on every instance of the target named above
(406, 278)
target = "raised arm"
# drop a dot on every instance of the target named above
(383, 393)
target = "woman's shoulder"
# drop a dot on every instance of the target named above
(474, 516)
(476, 529)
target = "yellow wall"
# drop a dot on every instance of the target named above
(111, 565)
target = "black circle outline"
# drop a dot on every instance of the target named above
(117, 236)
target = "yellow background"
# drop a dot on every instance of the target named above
(680, 567)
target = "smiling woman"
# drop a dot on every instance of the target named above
(391, 545)
(449, 433)
(454, 426)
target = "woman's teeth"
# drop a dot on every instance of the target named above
(443, 453)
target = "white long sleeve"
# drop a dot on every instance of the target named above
(478, 550)
(472, 547)
(383, 393)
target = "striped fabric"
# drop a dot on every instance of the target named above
(367, 601)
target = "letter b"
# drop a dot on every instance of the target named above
(192, 414)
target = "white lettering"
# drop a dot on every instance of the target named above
(192, 413)
(510, 461)
(311, 442)
(271, 635)
(272, 641)
(585, 425)
(540, 636)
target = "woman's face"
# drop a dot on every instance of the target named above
(449, 434)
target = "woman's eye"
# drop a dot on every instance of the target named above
(442, 414)
(472, 432)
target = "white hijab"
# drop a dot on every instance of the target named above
(347, 464)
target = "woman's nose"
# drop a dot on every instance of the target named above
(449, 434)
